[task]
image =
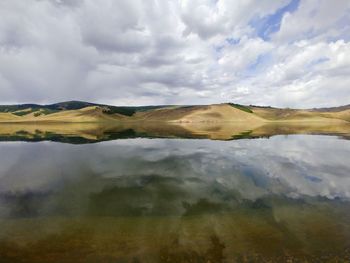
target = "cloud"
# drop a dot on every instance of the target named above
(116, 27)
(210, 18)
(239, 57)
(280, 53)
(318, 19)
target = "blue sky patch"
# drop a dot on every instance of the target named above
(258, 66)
(232, 41)
(269, 24)
(317, 61)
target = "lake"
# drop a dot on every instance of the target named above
(137, 198)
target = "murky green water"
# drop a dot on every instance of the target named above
(283, 199)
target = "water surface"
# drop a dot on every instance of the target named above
(274, 199)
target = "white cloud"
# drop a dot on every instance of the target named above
(193, 52)
(238, 57)
(317, 19)
(209, 18)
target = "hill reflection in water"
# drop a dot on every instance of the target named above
(81, 133)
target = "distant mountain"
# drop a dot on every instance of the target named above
(333, 109)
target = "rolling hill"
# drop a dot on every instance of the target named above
(85, 112)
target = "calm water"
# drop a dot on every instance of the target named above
(176, 200)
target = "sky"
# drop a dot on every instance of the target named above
(286, 53)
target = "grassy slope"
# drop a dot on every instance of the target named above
(88, 114)
(220, 113)
(275, 114)
(344, 115)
